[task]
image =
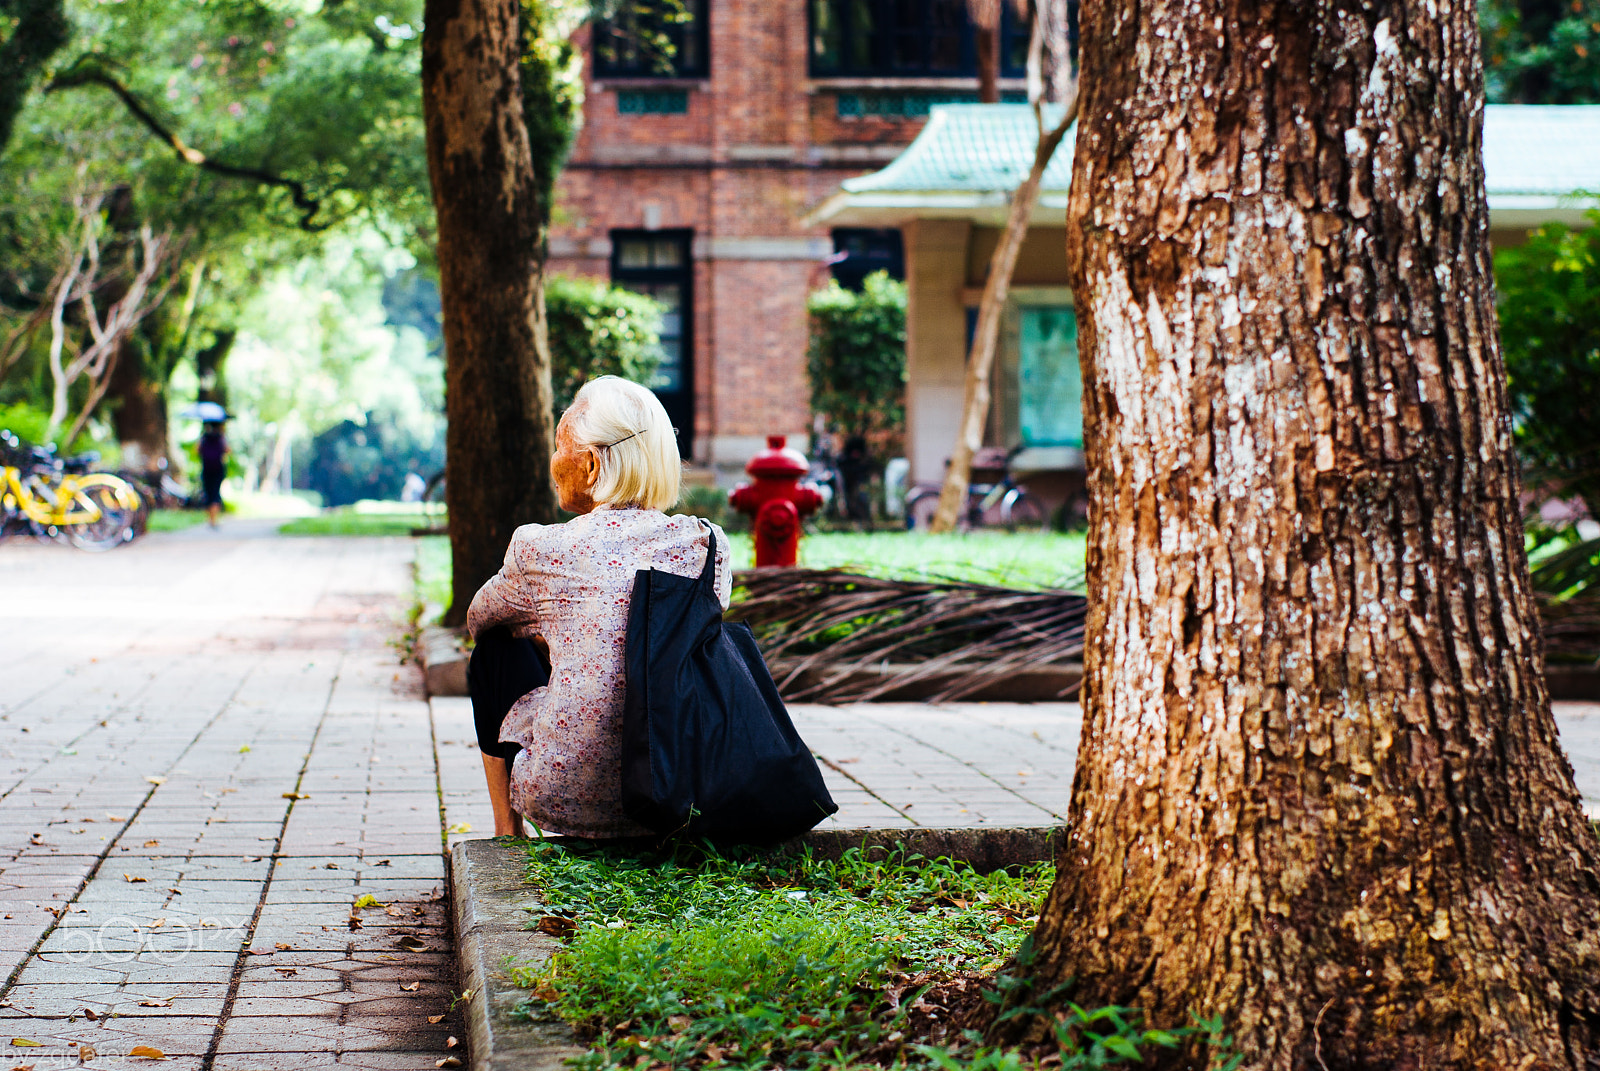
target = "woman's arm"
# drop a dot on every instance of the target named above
(504, 599)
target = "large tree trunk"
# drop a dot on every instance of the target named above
(1319, 791)
(138, 411)
(490, 252)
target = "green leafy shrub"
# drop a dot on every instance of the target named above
(599, 330)
(856, 361)
(1550, 330)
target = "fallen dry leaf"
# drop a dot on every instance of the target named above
(394, 912)
(36, 839)
(409, 943)
(286, 971)
(26, 1043)
(296, 795)
(152, 844)
(381, 862)
(436, 1018)
(411, 987)
(448, 1061)
(330, 866)
(90, 1014)
(282, 947)
(355, 922)
(155, 1004)
(116, 818)
(451, 1042)
(149, 1052)
(22, 1067)
(87, 1053)
(556, 926)
(132, 879)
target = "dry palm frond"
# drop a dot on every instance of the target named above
(828, 632)
(1571, 627)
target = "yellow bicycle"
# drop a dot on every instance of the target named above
(90, 510)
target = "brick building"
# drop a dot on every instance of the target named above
(694, 168)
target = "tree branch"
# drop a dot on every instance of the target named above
(80, 74)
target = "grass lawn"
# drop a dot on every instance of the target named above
(690, 957)
(175, 520)
(365, 519)
(1022, 560)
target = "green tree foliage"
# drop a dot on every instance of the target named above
(599, 330)
(30, 33)
(857, 357)
(552, 86)
(1550, 330)
(1541, 51)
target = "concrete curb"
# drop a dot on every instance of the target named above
(444, 663)
(490, 905)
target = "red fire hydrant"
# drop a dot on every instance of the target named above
(777, 499)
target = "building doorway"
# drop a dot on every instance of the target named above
(658, 263)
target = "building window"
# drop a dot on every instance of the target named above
(658, 263)
(907, 39)
(859, 252)
(654, 39)
(1049, 380)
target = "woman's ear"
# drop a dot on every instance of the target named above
(591, 467)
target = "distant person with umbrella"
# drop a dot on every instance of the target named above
(213, 455)
(213, 467)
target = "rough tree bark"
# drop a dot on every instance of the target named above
(490, 243)
(1319, 790)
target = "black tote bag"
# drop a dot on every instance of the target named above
(707, 745)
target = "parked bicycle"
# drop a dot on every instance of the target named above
(62, 499)
(1003, 502)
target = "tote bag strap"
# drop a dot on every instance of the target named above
(708, 575)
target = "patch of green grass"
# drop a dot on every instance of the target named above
(345, 522)
(432, 573)
(1010, 559)
(691, 957)
(175, 520)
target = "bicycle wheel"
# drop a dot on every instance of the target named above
(921, 506)
(101, 517)
(1021, 512)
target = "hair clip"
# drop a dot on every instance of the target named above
(624, 439)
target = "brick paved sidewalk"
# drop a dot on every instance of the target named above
(208, 754)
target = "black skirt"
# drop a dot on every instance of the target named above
(502, 670)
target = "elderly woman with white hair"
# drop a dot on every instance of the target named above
(551, 737)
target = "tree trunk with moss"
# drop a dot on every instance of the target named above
(1319, 792)
(490, 254)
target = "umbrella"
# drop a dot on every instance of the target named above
(207, 411)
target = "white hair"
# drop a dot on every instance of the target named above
(633, 436)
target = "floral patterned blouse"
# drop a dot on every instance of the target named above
(571, 583)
